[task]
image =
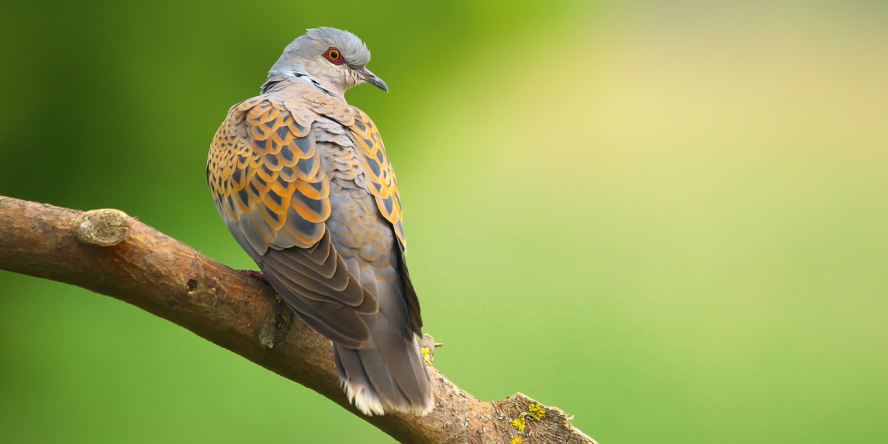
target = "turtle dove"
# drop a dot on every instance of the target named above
(303, 183)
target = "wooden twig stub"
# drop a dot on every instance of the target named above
(104, 227)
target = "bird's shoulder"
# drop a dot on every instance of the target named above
(379, 174)
(261, 129)
(266, 174)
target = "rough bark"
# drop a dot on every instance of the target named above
(110, 253)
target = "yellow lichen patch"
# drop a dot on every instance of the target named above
(425, 355)
(537, 411)
(517, 440)
(519, 423)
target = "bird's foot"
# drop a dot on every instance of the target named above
(258, 275)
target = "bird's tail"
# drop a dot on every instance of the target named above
(388, 374)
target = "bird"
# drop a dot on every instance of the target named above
(303, 183)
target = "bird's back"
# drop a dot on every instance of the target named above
(303, 183)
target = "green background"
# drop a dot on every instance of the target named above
(670, 220)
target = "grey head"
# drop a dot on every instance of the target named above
(335, 58)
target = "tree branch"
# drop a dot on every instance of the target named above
(108, 252)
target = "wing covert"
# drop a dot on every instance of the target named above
(265, 172)
(269, 184)
(378, 171)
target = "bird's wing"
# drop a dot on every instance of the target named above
(378, 171)
(269, 185)
(387, 374)
(380, 179)
(382, 184)
(264, 168)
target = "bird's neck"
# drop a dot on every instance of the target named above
(276, 82)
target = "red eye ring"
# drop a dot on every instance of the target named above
(334, 56)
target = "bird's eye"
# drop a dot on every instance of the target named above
(334, 56)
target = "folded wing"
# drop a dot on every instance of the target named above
(270, 187)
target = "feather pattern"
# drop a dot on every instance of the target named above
(304, 185)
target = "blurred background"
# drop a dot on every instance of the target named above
(670, 220)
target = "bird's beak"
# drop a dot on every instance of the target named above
(371, 78)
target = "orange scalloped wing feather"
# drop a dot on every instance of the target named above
(266, 175)
(378, 171)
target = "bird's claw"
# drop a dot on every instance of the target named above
(258, 275)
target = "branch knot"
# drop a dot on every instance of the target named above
(105, 228)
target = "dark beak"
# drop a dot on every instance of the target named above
(371, 78)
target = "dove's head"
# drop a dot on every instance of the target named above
(337, 59)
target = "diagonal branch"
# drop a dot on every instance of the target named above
(108, 252)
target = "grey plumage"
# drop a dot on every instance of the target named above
(315, 42)
(303, 184)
